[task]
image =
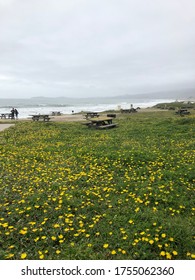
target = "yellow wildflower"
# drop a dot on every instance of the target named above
(168, 255)
(23, 256)
(113, 252)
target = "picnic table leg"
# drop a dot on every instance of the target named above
(35, 118)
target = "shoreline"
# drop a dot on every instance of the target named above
(25, 110)
(77, 117)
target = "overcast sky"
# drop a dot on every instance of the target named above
(95, 47)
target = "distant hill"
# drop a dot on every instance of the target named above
(185, 94)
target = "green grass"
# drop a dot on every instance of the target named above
(69, 192)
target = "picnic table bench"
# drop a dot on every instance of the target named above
(101, 123)
(45, 118)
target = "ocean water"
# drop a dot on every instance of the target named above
(27, 109)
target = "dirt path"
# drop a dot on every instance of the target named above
(5, 125)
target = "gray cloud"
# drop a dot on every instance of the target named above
(84, 47)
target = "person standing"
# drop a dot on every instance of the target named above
(16, 113)
(12, 113)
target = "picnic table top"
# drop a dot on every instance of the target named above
(40, 115)
(101, 119)
(92, 113)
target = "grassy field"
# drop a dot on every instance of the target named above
(69, 192)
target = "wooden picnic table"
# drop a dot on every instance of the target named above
(6, 116)
(91, 115)
(111, 115)
(101, 123)
(182, 112)
(40, 117)
(132, 110)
